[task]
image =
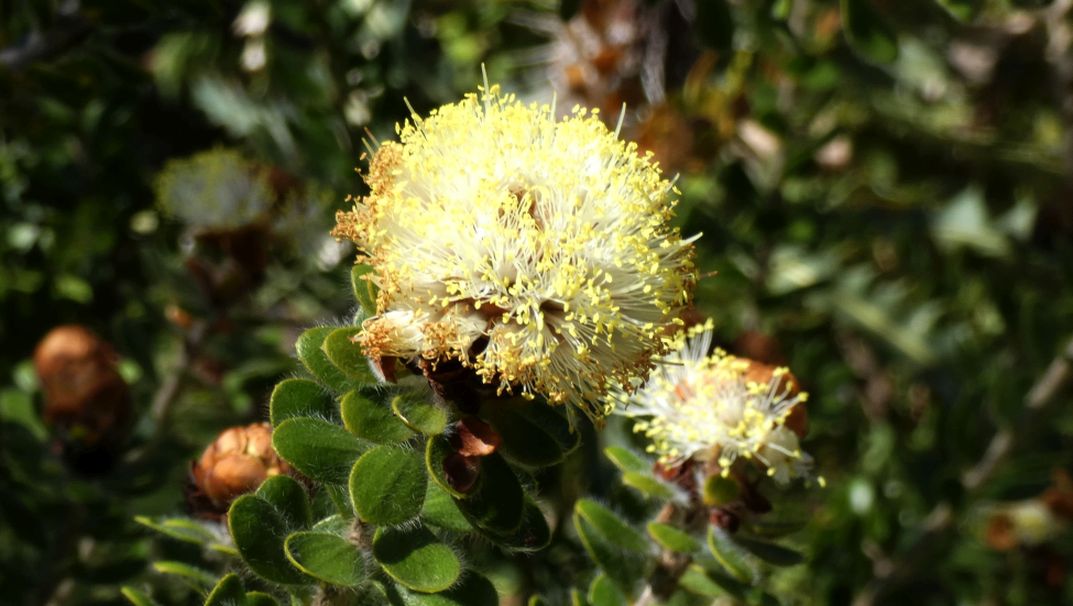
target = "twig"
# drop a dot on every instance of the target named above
(172, 386)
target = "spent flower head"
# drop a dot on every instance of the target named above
(535, 250)
(711, 407)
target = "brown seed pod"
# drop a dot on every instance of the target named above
(235, 463)
(86, 401)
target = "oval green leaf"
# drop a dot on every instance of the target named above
(533, 534)
(371, 420)
(259, 531)
(627, 460)
(437, 449)
(440, 510)
(346, 355)
(613, 528)
(137, 597)
(419, 414)
(199, 579)
(624, 567)
(289, 498)
(228, 592)
(326, 557)
(604, 592)
(415, 558)
(497, 503)
(772, 553)
(473, 590)
(316, 361)
(648, 485)
(299, 398)
(534, 434)
(732, 558)
(321, 450)
(671, 538)
(387, 485)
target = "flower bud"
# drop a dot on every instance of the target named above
(85, 399)
(236, 463)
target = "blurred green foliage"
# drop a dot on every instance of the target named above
(885, 191)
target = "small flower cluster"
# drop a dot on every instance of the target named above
(719, 408)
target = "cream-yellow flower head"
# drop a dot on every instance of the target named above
(535, 250)
(711, 407)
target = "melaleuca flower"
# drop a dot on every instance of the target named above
(712, 408)
(536, 251)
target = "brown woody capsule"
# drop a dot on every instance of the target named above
(85, 397)
(236, 463)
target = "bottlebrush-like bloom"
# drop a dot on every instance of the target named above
(710, 406)
(536, 251)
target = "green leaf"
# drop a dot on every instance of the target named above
(732, 557)
(228, 592)
(611, 526)
(364, 289)
(603, 541)
(326, 557)
(298, 398)
(387, 485)
(774, 529)
(627, 461)
(962, 10)
(867, 32)
(321, 450)
(531, 535)
(534, 434)
(419, 414)
(334, 524)
(497, 503)
(696, 581)
(771, 553)
(316, 361)
(604, 592)
(289, 498)
(182, 529)
(415, 558)
(199, 579)
(371, 420)
(437, 450)
(259, 598)
(473, 590)
(648, 485)
(137, 597)
(259, 531)
(440, 510)
(671, 538)
(347, 356)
